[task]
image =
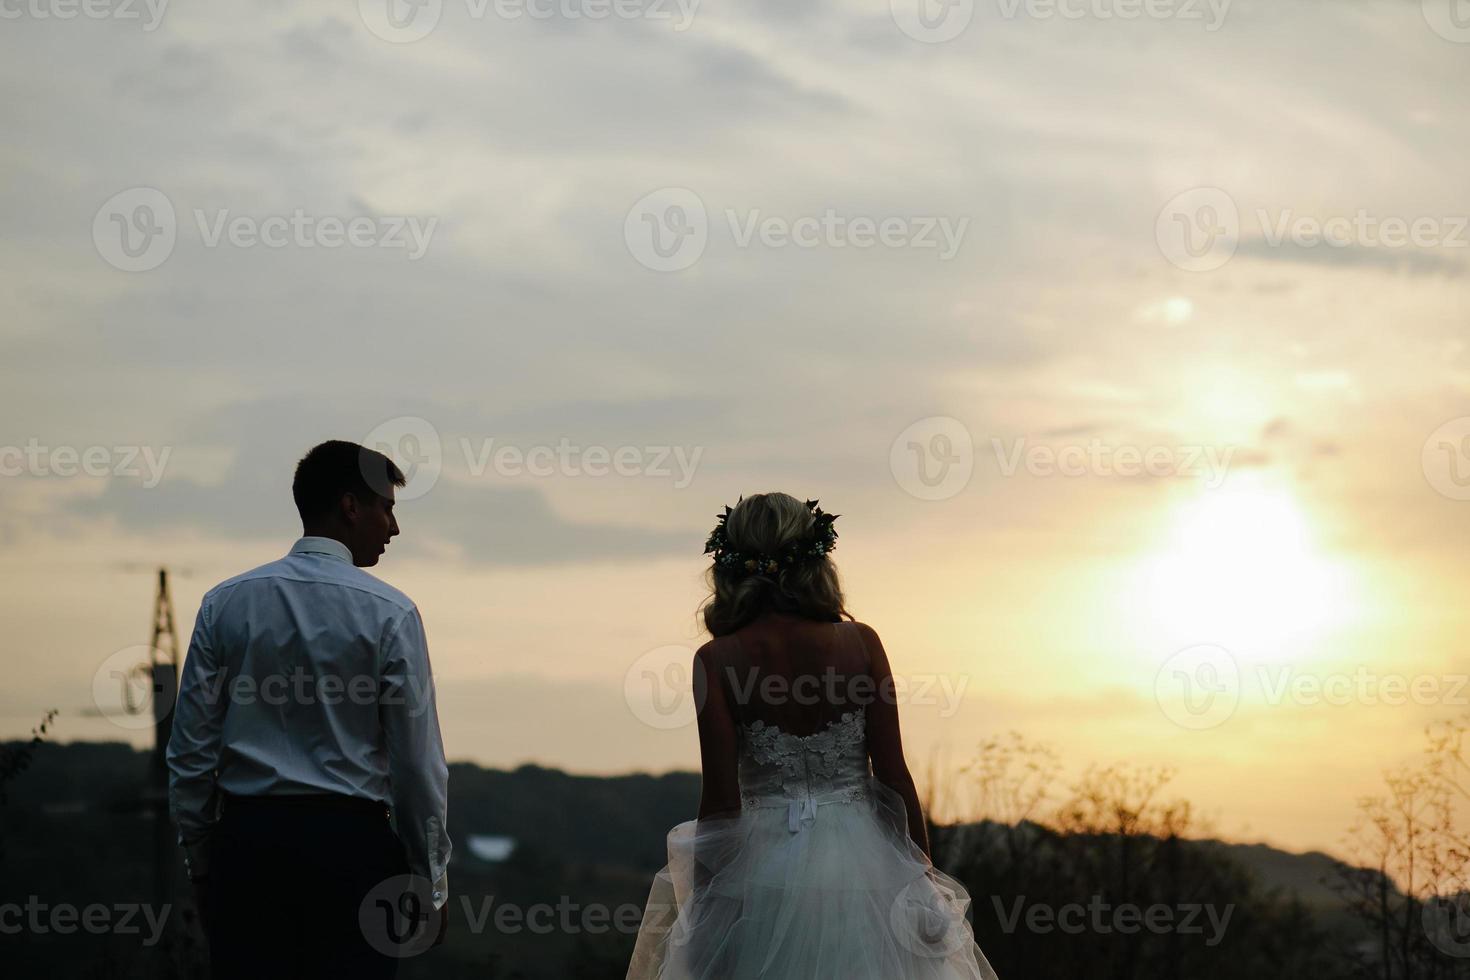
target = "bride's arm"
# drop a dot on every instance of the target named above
(885, 743)
(719, 790)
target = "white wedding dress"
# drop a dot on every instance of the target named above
(814, 878)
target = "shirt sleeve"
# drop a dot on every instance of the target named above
(417, 772)
(194, 744)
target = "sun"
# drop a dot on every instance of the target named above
(1240, 565)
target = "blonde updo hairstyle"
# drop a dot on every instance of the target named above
(766, 523)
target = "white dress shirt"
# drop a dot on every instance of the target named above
(308, 675)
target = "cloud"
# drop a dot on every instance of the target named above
(484, 523)
(1412, 262)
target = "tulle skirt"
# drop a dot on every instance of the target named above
(825, 888)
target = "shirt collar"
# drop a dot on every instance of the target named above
(331, 547)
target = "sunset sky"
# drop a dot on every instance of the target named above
(1304, 403)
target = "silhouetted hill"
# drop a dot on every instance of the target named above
(74, 833)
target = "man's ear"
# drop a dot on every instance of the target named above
(351, 508)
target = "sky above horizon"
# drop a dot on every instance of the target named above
(1130, 349)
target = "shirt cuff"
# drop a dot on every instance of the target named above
(439, 892)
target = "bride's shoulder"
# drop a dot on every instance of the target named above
(712, 651)
(872, 644)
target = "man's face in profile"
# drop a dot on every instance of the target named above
(373, 526)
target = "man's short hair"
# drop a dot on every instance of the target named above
(336, 467)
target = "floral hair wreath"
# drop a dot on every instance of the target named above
(822, 540)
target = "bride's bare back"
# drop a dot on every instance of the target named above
(800, 676)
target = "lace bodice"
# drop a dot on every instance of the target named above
(832, 763)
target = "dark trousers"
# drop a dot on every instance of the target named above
(288, 879)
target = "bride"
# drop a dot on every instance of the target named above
(805, 863)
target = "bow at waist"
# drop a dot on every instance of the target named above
(802, 810)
